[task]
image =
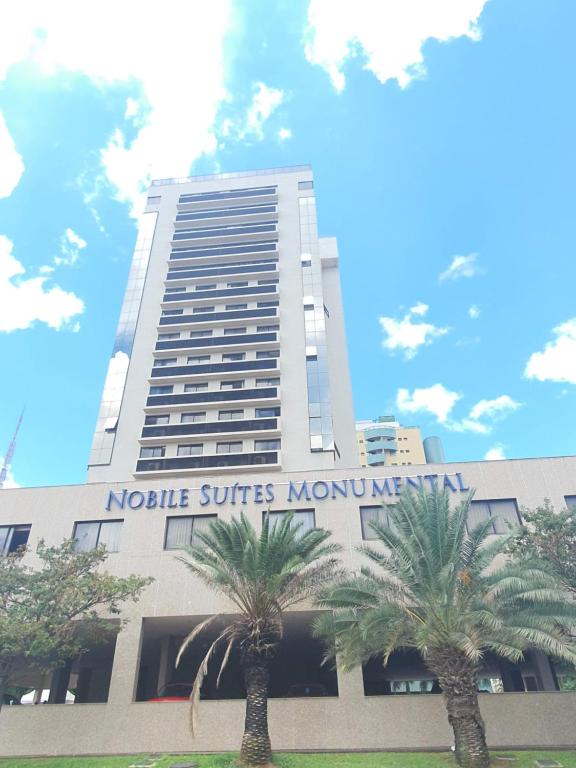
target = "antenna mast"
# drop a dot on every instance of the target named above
(10, 453)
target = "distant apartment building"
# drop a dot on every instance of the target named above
(385, 442)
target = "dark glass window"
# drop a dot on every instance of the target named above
(570, 501)
(374, 514)
(238, 229)
(199, 387)
(305, 185)
(304, 519)
(241, 284)
(267, 413)
(169, 312)
(237, 384)
(268, 382)
(198, 359)
(236, 306)
(190, 450)
(177, 289)
(504, 511)
(200, 334)
(157, 420)
(166, 336)
(229, 447)
(163, 390)
(181, 531)
(222, 250)
(228, 194)
(272, 281)
(230, 357)
(266, 445)
(263, 304)
(267, 353)
(161, 362)
(225, 212)
(267, 328)
(97, 533)
(233, 331)
(192, 418)
(13, 538)
(195, 310)
(230, 415)
(153, 452)
(207, 287)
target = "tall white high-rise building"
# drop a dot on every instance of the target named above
(230, 353)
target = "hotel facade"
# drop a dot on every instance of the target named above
(197, 423)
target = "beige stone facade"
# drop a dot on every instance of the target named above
(307, 711)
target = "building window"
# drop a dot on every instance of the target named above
(272, 281)
(177, 289)
(237, 384)
(170, 312)
(305, 518)
(242, 284)
(264, 304)
(198, 359)
(168, 336)
(233, 307)
(233, 356)
(267, 328)
(166, 389)
(267, 354)
(230, 415)
(268, 382)
(200, 387)
(161, 362)
(305, 185)
(207, 287)
(192, 418)
(157, 420)
(267, 413)
(181, 531)
(233, 331)
(97, 533)
(570, 501)
(13, 537)
(190, 450)
(200, 334)
(266, 445)
(153, 452)
(229, 447)
(504, 512)
(372, 515)
(197, 310)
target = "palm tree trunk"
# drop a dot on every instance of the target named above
(256, 749)
(458, 677)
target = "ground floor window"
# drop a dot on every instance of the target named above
(296, 670)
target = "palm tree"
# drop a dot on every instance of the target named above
(263, 576)
(440, 589)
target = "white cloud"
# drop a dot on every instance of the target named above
(496, 453)
(388, 35)
(419, 309)
(436, 400)
(9, 482)
(406, 335)
(174, 61)
(70, 246)
(557, 362)
(284, 133)
(496, 408)
(461, 266)
(11, 163)
(474, 312)
(439, 401)
(24, 301)
(264, 102)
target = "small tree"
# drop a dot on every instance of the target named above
(52, 614)
(549, 537)
(440, 590)
(263, 576)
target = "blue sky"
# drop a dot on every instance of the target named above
(441, 133)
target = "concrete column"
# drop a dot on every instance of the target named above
(59, 684)
(350, 684)
(165, 669)
(543, 671)
(126, 664)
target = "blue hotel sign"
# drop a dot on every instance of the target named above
(379, 489)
